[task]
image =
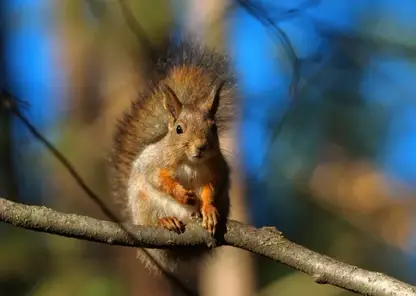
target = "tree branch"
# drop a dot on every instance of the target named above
(266, 241)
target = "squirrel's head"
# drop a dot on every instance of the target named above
(192, 128)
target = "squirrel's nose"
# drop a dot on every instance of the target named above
(201, 145)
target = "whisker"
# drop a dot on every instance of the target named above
(228, 153)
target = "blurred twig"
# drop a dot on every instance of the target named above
(138, 31)
(266, 241)
(10, 103)
(260, 14)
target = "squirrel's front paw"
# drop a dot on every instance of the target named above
(172, 223)
(209, 217)
(184, 196)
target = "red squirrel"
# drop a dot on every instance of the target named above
(168, 160)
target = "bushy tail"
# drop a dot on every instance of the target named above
(168, 266)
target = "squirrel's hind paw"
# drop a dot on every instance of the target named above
(172, 223)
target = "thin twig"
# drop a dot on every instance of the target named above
(10, 103)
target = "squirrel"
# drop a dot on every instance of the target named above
(169, 161)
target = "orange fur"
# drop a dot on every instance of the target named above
(168, 185)
(173, 188)
(207, 194)
(208, 210)
(185, 73)
(190, 80)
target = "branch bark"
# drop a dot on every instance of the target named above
(266, 241)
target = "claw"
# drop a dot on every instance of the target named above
(172, 224)
(209, 218)
(196, 214)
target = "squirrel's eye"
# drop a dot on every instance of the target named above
(179, 129)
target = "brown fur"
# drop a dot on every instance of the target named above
(188, 68)
(154, 173)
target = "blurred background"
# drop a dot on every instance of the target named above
(327, 138)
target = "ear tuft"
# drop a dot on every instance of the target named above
(171, 102)
(213, 101)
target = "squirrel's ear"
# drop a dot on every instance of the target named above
(171, 101)
(211, 105)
